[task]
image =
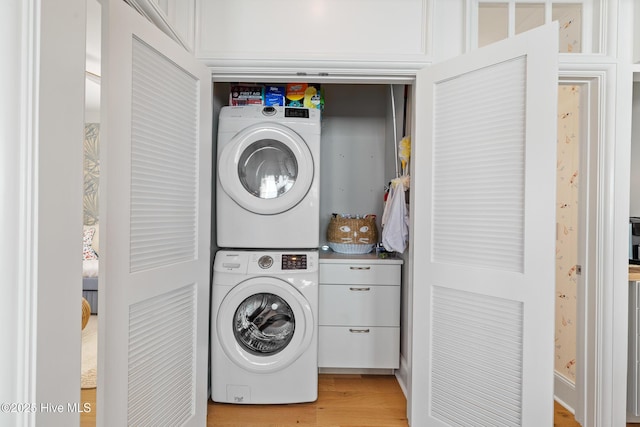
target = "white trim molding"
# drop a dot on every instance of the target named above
(402, 375)
(41, 185)
(19, 76)
(564, 392)
(601, 399)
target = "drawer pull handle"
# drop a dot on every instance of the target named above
(359, 331)
(360, 289)
(360, 268)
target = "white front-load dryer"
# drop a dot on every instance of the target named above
(264, 330)
(267, 186)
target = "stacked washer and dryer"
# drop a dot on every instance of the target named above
(264, 331)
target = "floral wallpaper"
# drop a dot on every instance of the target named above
(569, 17)
(91, 172)
(568, 182)
(493, 21)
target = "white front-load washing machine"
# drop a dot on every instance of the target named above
(267, 187)
(264, 330)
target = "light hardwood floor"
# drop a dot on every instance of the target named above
(88, 419)
(343, 401)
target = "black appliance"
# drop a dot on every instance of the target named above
(634, 240)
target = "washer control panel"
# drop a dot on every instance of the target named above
(294, 262)
(266, 262)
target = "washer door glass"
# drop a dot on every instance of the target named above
(267, 169)
(264, 324)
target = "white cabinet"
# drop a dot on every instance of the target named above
(359, 312)
(255, 33)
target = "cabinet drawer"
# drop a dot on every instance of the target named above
(358, 347)
(344, 305)
(360, 273)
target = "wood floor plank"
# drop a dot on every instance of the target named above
(228, 415)
(562, 417)
(88, 419)
(343, 401)
(361, 416)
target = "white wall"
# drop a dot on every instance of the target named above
(93, 62)
(352, 164)
(92, 101)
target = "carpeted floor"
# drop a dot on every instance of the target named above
(90, 353)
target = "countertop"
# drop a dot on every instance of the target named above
(329, 256)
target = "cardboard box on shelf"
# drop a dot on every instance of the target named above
(274, 95)
(246, 95)
(308, 95)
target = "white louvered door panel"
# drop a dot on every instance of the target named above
(155, 227)
(477, 167)
(483, 201)
(164, 161)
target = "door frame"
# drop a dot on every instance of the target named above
(42, 189)
(612, 324)
(579, 398)
(602, 308)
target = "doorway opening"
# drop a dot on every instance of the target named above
(91, 223)
(568, 230)
(576, 253)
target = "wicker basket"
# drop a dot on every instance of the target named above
(349, 235)
(86, 312)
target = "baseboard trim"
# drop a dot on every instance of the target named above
(356, 371)
(564, 392)
(402, 375)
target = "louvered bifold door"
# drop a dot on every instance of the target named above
(483, 236)
(155, 227)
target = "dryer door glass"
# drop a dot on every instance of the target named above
(267, 169)
(264, 324)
